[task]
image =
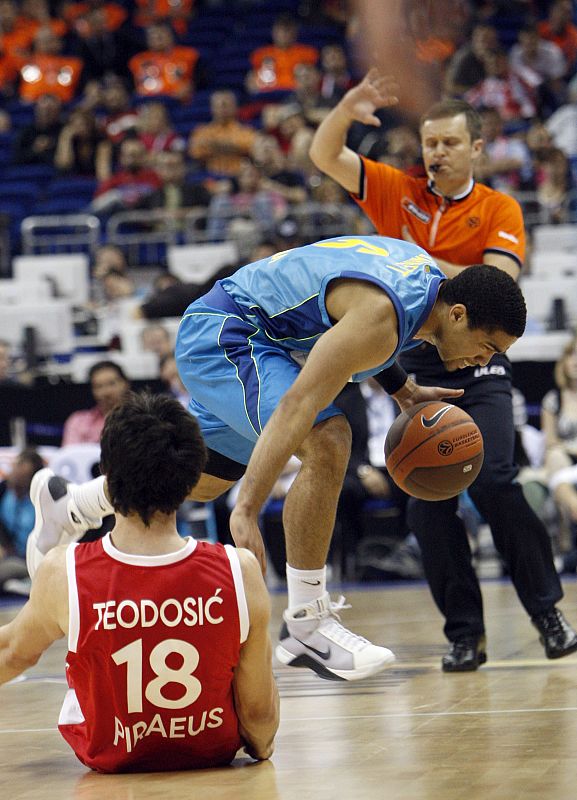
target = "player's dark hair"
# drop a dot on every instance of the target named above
(152, 453)
(492, 298)
(447, 109)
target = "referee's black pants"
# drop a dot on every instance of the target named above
(519, 535)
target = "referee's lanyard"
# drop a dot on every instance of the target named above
(436, 220)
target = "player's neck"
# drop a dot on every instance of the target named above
(428, 330)
(131, 535)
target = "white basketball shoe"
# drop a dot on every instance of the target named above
(312, 636)
(58, 518)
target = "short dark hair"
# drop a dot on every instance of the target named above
(452, 108)
(106, 365)
(152, 453)
(32, 457)
(491, 296)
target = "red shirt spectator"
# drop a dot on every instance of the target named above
(165, 68)
(131, 182)
(503, 89)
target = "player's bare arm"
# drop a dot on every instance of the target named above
(328, 150)
(255, 691)
(40, 622)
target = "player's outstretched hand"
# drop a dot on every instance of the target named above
(375, 91)
(411, 394)
(245, 533)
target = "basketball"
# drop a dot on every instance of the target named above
(433, 451)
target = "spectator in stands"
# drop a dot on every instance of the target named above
(335, 76)
(15, 38)
(295, 138)
(120, 118)
(117, 286)
(155, 130)
(307, 94)
(273, 65)
(155, 338)
(562, 124)
(402, 149)
(6, 378)
(35, 14)
(46, 71)
(109, 386)
(505, 164)
(107, 257)
(178, 13)
(221, 145)
(79, 149)
(165, 68)
(75, 14)
(553, 178)
(467, 67)
(560, 29)
(36, 143)
(104, 50)
(277, 175)
(175, 195)
(541, 65)
(252, 201)
(503, 90)
(169, 375)
(559, 422)
(131, 183)
(16, 517)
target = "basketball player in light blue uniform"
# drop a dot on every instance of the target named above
(265, 353)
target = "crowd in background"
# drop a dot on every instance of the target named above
(136, 99)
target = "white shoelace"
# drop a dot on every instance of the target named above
(342, 636)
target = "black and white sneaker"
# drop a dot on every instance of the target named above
(312, 636)
(57, 515)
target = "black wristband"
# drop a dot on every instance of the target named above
(392, 379)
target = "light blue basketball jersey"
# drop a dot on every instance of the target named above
(284, 295)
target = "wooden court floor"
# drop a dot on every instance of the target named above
(505, 732)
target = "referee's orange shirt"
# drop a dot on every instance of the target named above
(459, 231)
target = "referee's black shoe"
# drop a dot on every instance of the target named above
(466, 654)
(556, 635)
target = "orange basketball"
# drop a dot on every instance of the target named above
(434, 451)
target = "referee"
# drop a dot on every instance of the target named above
(460, 223)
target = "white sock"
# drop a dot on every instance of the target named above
(305, 585)
(91, 498)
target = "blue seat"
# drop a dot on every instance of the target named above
(67, 204)
(28, 172)
(25, 192)
(79, 186)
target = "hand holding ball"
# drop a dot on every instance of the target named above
(434, 451)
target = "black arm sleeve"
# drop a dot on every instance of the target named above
(392, 379)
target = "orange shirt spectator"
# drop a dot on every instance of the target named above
(47, 72)
(560, 29)
(273, 65)
(221, 145)
(165, 68)
(15, 38)
(75, 15)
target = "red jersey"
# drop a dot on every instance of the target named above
(152, 646)
(459, 231)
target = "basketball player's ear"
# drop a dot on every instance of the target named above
(458, 314)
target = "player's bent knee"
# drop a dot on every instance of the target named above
(209, 488)
(329, 441)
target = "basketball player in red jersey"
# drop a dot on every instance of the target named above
(169, 658)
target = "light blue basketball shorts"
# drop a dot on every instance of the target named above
(235, 375)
